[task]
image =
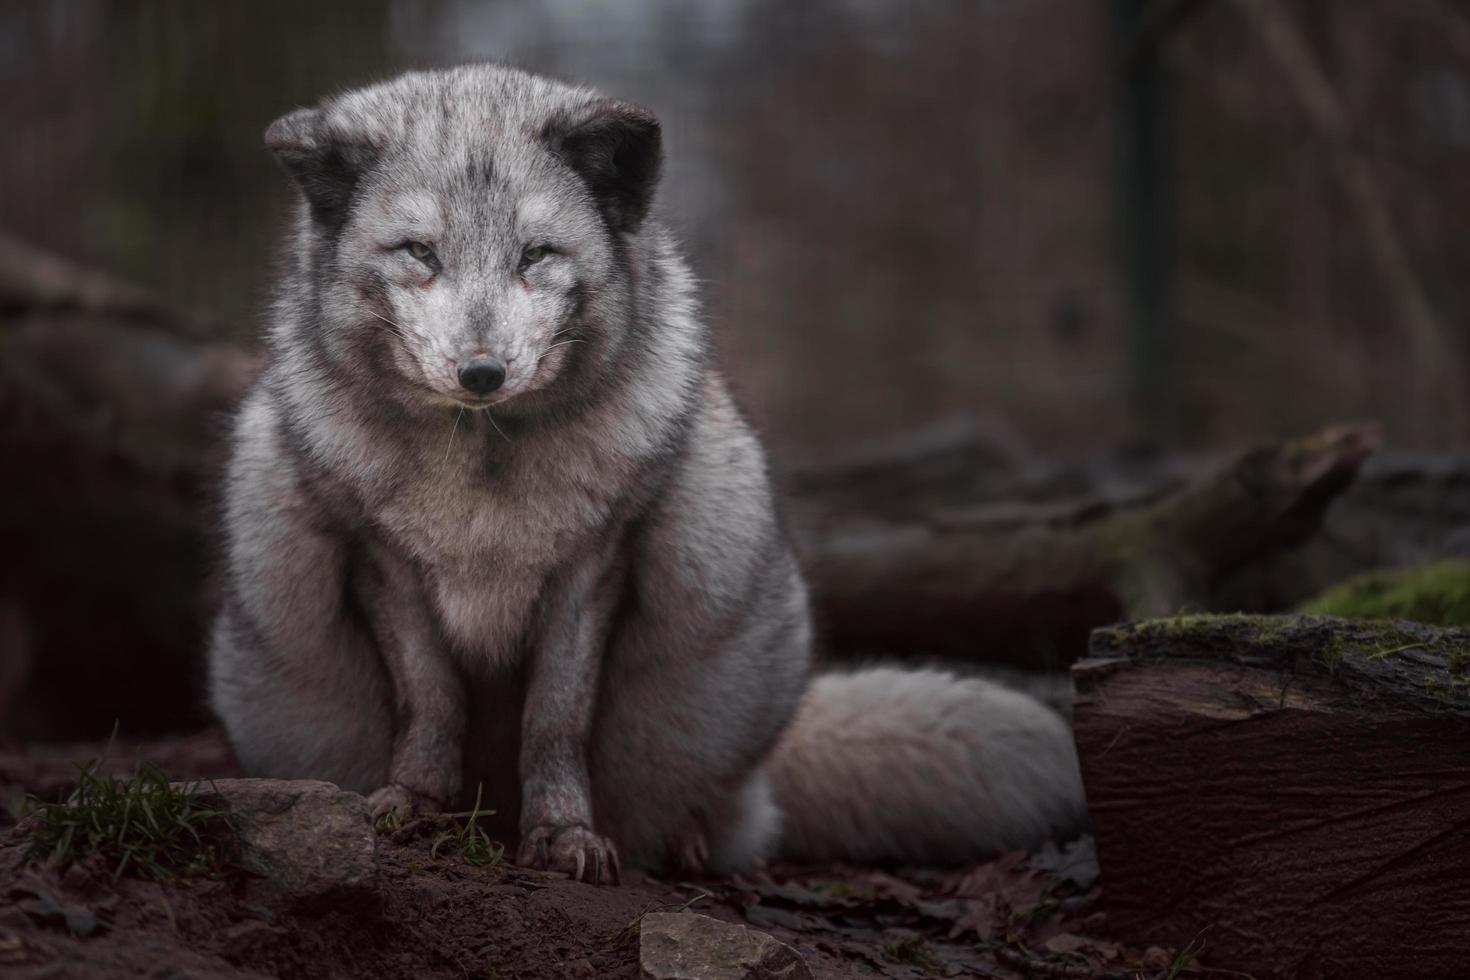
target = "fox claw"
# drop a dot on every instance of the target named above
(576, 851)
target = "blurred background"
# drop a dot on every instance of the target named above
(1073, 226)
(1090, 222)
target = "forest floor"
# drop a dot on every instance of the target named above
(433, 914)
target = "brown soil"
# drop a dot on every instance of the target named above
(438, 917)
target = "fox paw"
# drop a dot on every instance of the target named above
(400, 802)
(575, 850)
(693, 852)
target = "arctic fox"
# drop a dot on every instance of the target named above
(493, 519)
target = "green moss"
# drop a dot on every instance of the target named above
(1187, 626)
(1459, 659)
(1454, 688)
(1375, 642)
(1388, 644)
(1332, 654)
(1437, 594)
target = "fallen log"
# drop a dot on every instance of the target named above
(1024, 583)
(1292, 792)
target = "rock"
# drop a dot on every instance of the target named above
(37, 899)
(313, 843)
(688, 946)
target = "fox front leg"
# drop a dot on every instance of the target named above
(429, 708)
(557, 829)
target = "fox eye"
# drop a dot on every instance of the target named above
(422, 252)
(533, 254)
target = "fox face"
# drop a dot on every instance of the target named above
(465, 227)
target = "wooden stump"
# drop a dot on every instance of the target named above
(1294, 792)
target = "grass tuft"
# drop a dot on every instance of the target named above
(389, 823)
(468, 840)
(1186, 957)
(141, 825)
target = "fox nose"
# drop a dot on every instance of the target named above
(481, 374)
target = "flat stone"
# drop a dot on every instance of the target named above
(689, 946)
(313, 843)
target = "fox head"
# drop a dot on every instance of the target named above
(466, 232)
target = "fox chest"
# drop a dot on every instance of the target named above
(488, 558)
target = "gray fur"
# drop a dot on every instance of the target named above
(577, 579)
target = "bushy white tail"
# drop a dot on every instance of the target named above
(922, 767)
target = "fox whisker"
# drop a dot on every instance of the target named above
(554, 346)
(453, 429)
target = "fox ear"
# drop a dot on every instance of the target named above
(325, 164)
(616, 147)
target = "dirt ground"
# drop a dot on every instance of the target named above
(436, 916)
